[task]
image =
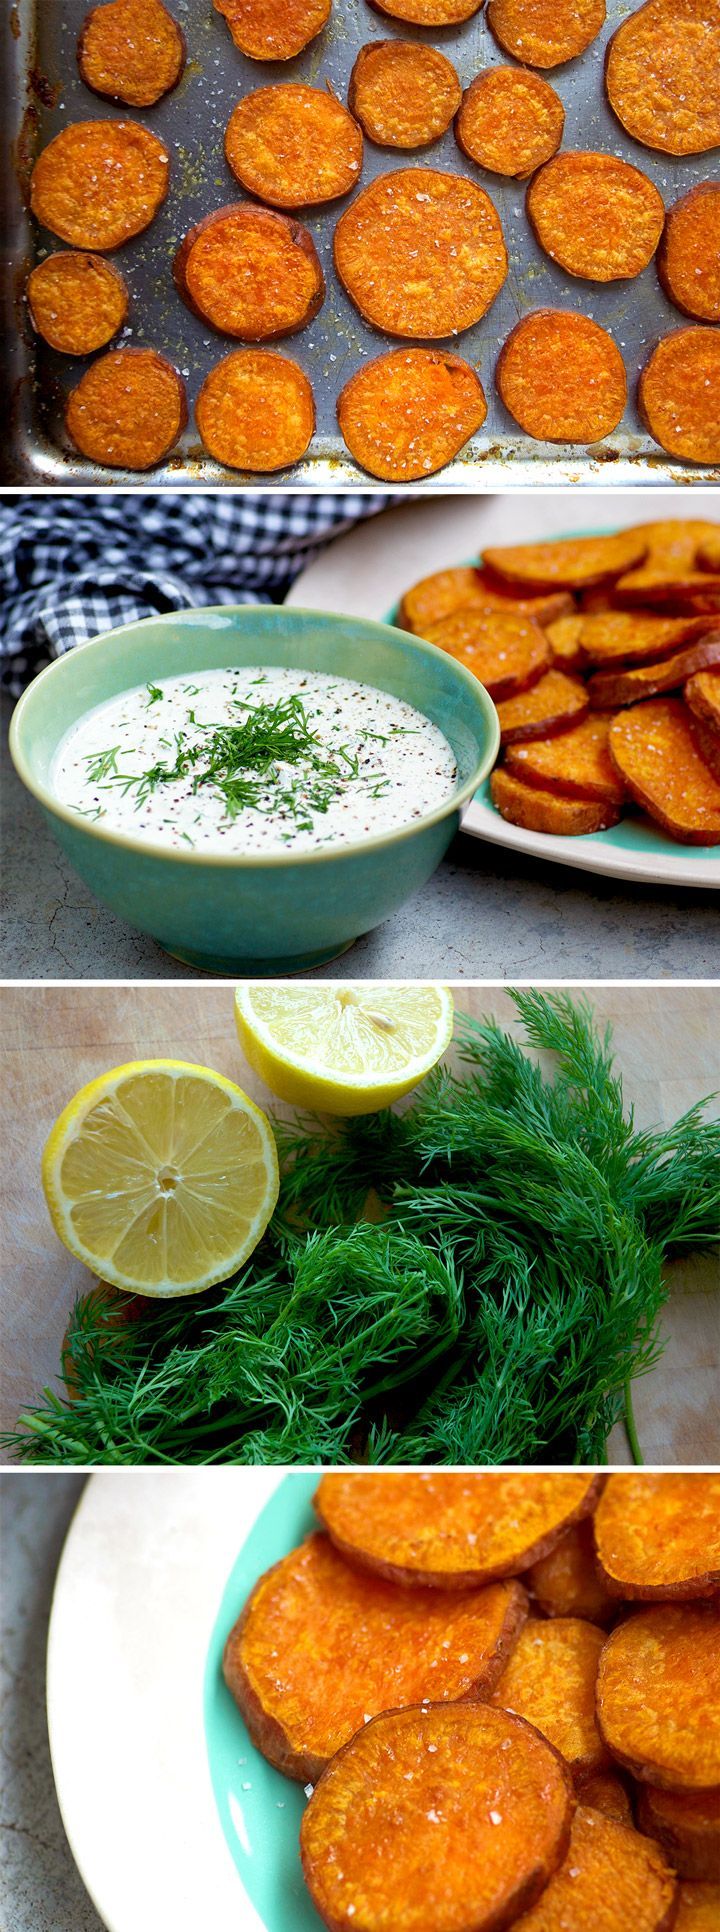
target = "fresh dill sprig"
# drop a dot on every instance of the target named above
(475, 1279)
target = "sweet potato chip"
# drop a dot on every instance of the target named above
(98, 183)
(429, 13)
(654, 749)
(672, 566)
(77, 302)
(550, 1679)
(698, 1908)
(507, 651)
(127, 410)
(662, 75)
(403, 95)
(510, 121)
(544, 33)
(447, 1528)
(131, 50)
(540, 810)
(577, 763)
(706, 739)
(445, 591)
(688, 260)
(576, 563)
(659, 1535)
(293, 146)
(353, 1645)
(596, 215)
(274, 29)
(619, 687)
(555, 703)
(565, 639)
(607, 1794)
(421, 253)
(256, 411)
(658, 1695)
(562, 377)
(566, 1583)
(451, 1816)
(687, 1825)
(611, 1880)
(679, 393)
(702, 693)
(406, 414)
(250, 272)
(636, 636)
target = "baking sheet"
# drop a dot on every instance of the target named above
(45, 93)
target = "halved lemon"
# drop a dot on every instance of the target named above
(161, 1177)
(343, 1048)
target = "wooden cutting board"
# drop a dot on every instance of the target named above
(55, 1038)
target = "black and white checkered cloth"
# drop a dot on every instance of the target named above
(73, 566)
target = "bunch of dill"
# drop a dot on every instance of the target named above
(475, 1279)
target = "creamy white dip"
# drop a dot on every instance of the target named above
(253, 760)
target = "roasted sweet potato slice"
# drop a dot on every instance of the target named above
(611, 1880)
(451, 1816)
(449, 1529)
(576, 764)
(658, 1695)
(687, 1825)
(679, 394)
(662, 75)
(128, 409)
(100, 182)
(550, 1679)
(562, 377)
(627, 686)
(552, 705)
(510, 121)
(702, 693)
(654, 750)
(566, 1583)
(77, 302)
(688, 260)
(421, 253)
(403, 95)
(250, 272)
(506, 650)
(706, 739)
(353, 1645)
(256, 411)
(698, 1908)
(131, 51)
(274, 29)
(539, 810)
(435, 597)
(544, 33)
(409, 413)
(709, 552)
(671, 571)
(577, 563)
(429, 13)
(606, 1793)
(637, 636)
(596, 215)
(293, 146)
(659, 1535)
(565, 639)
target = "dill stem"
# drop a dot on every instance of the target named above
(630, 1425)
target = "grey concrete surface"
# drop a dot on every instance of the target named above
(41, 1888)
(488, 913)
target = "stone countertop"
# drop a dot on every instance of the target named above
(42, 1889)
(488, 913)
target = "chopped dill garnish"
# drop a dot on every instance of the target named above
(154, 696)
(475, 1279)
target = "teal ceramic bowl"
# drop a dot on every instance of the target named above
(277, 913)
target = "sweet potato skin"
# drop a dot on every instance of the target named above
(658, 1535)
(562, 378)
(545, 33)
(702, 693)
(538, 810)
(604, 1792)
(510, 121)
(550, 1680)
(77, 301)
(662, 75)
(403, 1783)
(658, 1695)
(409, 413)
(131, 51)
(134, 166)
(621, 687)
(687, 1825)
(679, 394)
(611, 1877)
(403, 95)
(654, 750)
(566, 1583)
(127, 410)
(551, 706)
(475, 1545)
(596, 215)
(286, 293)
(352, 1644)
(577, 563)
(421, 253)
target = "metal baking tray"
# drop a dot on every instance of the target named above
(46, 92)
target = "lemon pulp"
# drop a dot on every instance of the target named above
(342, 1047)
(161, 1177)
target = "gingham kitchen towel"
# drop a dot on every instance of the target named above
(72, 566)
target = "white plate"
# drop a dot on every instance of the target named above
(141, 1577)
(365, 573)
